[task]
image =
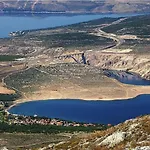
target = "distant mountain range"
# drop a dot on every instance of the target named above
(74, 6)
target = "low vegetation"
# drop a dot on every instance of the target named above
(10, 57)
(138, 46)
(131, 26)
(9, 97)
(90, 25)
(21, 141)
(128, 135)
(43, 45)
(4, 127)
(16, 126)
(73, 40)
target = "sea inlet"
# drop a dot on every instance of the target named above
(104, 112)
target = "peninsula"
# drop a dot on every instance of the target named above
(70, 62)
(92, 61)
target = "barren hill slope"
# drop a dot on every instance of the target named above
(133, 134)
(71, 6)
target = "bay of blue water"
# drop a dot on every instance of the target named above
(11, 23)
(77, 110)
(127, 77)
(105, 112)
(112, 112)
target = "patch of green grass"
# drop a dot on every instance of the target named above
(4, 127)
(10, 57)
(9, 97)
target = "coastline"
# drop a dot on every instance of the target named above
(23, 100)
(97, 92)
(73, 91)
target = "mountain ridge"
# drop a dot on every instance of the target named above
(74, 6)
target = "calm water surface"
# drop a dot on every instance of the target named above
(78, 110)
(106, 112)
(127, 77)
(17, 23)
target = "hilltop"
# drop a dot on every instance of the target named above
(133, 134)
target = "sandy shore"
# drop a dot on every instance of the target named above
(88, 88)
(124, 92)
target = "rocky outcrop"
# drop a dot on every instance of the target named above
(113, 139)
(139, 64)
(4, 148)
(142, 148)
(133, 134)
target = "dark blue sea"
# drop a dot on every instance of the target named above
(105, 112)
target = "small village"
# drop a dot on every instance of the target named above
(29, 120)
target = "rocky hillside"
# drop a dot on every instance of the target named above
(133, 134)
(132, 51)
(139, 64)
(71, 6)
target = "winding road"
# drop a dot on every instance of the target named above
(100, 32)
(114, 37)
